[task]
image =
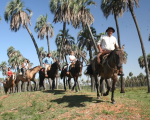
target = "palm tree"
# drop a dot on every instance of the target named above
(84, 39)
(62, 11)
(68, 42)
(42, 53)
(142, 63)
(44, 28)
(15, 13)
(83, 16)
(3, 68)
(130, 5)
(10, 51)
(116, 8)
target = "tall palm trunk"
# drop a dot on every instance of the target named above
(142, 45)
(92, 80)
(64, 28)
(93, 40)
(118, 35)
(35, 44)
(48, 43)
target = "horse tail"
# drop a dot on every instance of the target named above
(89, 70)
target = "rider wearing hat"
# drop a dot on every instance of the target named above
(107, 43)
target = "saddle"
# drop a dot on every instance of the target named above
(101, 58)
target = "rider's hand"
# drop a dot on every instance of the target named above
(101, 51)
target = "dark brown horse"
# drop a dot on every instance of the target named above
(52, 73)
(109, 69)
(74, 74)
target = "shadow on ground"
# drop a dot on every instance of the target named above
(54, 91)
(76, 100)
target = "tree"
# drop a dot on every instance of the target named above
(62, 13)
(68, 42)
(130, 5)
(15, 13)
(44, 28)
(130, 74)
(83, 16)
(142, 62)
(3, 68)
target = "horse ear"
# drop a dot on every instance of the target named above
(123, 47)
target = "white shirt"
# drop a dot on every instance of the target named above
(107, 43)
(72, 57)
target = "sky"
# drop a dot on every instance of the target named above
(22, 41)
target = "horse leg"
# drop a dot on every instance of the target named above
(27, 86)
(75, 79)
(22, 86)
(101, 86)
(96, 83)
(53, 84)
(108, 87)
(43, 84)
(34, 86)
(73, 85)
(69, 82)
(113, 88)
(64, 83)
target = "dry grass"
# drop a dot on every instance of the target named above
(68, 105)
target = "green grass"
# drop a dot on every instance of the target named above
(58, 104)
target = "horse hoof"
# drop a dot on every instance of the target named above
(105, 94)
(98, 97)
(113, 102)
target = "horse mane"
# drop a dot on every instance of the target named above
(33, 68)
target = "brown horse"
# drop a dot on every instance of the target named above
(9, 84)
(30, 76)
(74, 74)
(109, 69)
(52, 73)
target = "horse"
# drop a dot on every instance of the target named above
(109, 69)
(52, 73)
(9, 84)
(30, 76)
(74, 74)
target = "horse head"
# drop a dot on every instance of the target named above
(58, 64)
(118, 56)
(79, 65)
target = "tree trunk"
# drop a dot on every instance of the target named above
(142, 45)
(35, 44)
(92, 80)
(95, 46)
(48, 43)
(119, 42)
(64, 28)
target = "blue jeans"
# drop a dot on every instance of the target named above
(68, 66)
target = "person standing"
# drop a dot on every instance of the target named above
(25, 66)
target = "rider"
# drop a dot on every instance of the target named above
(25, 66)
(107, 43)
(72, 59)
(9, 73)
(47, 61)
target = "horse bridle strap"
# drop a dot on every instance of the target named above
(111, 67)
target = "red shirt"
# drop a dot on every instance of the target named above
(9, 73)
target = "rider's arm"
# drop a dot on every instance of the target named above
(44, 61)
(99, 44)
(51, 61)
(23, 65)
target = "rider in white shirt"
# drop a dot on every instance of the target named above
(72, 58)
(107, 43)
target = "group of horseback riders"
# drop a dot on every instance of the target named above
(106, 45)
